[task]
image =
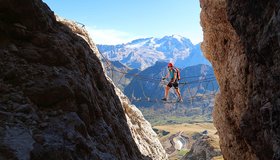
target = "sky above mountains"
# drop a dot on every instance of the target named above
(120, 21)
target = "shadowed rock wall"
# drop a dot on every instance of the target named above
(258, 25)
(241, 39)
(55, 101)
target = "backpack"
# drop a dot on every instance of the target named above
(178, 73)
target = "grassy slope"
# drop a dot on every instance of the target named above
(176, 116)
(188, 128)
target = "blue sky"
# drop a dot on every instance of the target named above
(120, 21)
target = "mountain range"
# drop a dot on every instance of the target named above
(145, 52)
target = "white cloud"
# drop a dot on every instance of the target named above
(109, 36)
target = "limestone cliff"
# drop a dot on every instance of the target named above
(142, 133)
(241, 39)
(55, 101)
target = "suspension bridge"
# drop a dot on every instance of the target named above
(198, 88)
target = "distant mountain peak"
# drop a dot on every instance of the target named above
(144, 52)
(140, 40)
(178, 37)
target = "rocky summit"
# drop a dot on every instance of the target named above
(55, 100)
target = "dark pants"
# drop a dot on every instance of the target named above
(175, 84)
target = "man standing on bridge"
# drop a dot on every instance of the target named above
(174, 77)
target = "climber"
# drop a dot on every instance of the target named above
(175, 76)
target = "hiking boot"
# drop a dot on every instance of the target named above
(164, 99)
(179, 100)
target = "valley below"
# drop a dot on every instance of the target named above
(186, 132)
(189, 140)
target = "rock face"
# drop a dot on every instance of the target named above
(241, 39)
(146, 139)
(55, 101)
(202, 149)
